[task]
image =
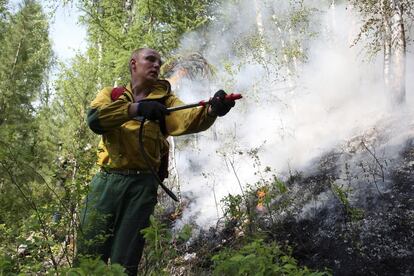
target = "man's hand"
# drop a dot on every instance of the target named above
(152, 110)
(220, 106)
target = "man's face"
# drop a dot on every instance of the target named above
(146, 66)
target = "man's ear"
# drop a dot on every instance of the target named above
(133, 64)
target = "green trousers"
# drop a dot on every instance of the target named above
(117, 208)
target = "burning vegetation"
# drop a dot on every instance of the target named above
(350, 213)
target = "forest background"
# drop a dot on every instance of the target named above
(314, 75)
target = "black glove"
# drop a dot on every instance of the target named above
(219, 105)
(152, 110)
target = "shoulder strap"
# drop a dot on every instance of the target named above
(117, 92)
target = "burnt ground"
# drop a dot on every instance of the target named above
(373, 234)
(352, 213)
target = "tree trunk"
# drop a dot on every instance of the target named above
(394, 51)
(387, 47)
(398, 41)
(129, 9)
(260, 28)
(173, 166)
(333, 14)
(16, 57)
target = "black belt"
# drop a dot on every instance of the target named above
(125, 172)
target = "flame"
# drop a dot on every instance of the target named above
(177, 76)
(176, 215)
(261, 195)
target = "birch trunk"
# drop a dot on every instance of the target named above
(99, 47)
(16, 58)
(260, 28)
(387, 47)
(398, 41)
(283, 44)
(173, 166)
(129, 9)
(333, 14)
(394, 51)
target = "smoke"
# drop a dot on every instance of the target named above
(292, 112)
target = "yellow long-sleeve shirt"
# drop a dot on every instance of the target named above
(119, 147)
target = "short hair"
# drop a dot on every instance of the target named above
(134, 54)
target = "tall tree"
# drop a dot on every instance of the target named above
(26, 56)
(118, 27)
(385, 23)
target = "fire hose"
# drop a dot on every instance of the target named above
(231, 96)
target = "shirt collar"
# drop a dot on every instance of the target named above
(159, 90)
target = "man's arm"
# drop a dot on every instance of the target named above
(196, 119)
(187, 121)
(105, 114)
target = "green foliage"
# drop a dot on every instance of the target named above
(233, 206)
(258, 258)
(92, 267)
(353, 213)
(185, 233)
(290, 24)
(48, 153)
(26, 53)
(6, 262)
(266, 199)
(376, 27)
(116, 28)
(281, 186)
(45, 160)
(159, 249)
(6, 265)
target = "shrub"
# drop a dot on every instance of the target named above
(258, 258)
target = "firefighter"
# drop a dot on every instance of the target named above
(122, 196)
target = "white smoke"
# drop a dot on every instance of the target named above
(289, 120)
